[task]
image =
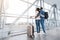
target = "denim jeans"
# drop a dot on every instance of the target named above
(38, 22)
(37, 25)
(42, 24)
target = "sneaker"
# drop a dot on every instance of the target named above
(38, 33)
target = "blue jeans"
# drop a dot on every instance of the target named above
(42, 24)
(37, 25)
(38, 22)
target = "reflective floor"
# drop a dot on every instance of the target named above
(53, 34)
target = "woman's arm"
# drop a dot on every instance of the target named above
(32, 16)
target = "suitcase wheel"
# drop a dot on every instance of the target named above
(32, 36)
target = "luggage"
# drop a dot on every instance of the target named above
(30, 30)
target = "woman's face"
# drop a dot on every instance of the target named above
(36, 11)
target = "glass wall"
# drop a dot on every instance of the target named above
(17, 13)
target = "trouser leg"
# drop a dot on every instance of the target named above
(37, 25)
(43, 27)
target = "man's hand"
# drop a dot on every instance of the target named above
(42, 15)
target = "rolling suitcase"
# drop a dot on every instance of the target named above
(30, 30)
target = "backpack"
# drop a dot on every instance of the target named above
(46, 15)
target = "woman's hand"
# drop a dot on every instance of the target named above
(32, 16)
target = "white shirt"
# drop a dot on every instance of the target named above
(38, 18)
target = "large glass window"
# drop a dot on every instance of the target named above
(19, 11)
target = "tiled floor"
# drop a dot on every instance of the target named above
(50, 35)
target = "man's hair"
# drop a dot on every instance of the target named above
(37, 9)
(41, 8)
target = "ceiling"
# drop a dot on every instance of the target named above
(14, 8)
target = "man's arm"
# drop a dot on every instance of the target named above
(42, 15)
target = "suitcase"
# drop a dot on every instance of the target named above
(30, 30)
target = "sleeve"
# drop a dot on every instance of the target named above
(42, 14)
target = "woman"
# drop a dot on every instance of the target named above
(37, 20)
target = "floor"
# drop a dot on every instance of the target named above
(53, 34)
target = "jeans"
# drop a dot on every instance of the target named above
(37, 25)
(42, 24)
(38, 22)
